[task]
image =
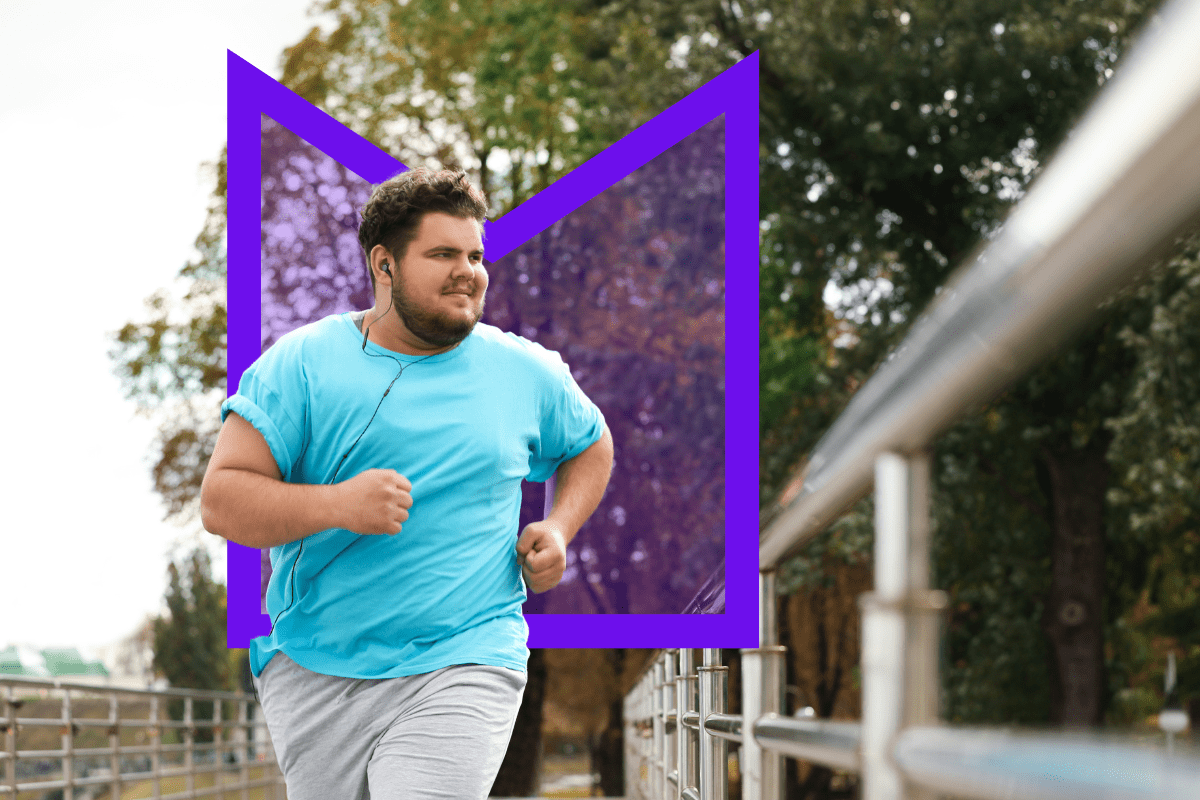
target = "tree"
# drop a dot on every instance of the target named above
(1155, 459)
(173, 364)
(189, 642)
(468, 84)
(520, 771)
(584, 699)
(894, 139)
(819, 624)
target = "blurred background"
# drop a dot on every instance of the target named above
(894, 139)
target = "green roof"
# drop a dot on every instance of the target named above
(68, 661)
(59, 662)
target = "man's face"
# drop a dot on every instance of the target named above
(439, 286)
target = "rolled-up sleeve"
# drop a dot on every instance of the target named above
(570, 423)
(272, 396)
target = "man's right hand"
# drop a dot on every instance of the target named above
(375, 502)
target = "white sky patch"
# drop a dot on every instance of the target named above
(832, 295)
(679, 52)
(117, 107)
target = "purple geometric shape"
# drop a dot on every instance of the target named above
(733, 94)
(629, 288)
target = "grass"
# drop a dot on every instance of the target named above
(557, 769)
(144, 789)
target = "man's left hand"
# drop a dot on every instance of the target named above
(542, 554)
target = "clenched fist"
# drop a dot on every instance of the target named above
(375, 502)
(542, 554)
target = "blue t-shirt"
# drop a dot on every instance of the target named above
(465, 427)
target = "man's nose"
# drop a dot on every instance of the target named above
(463, 268)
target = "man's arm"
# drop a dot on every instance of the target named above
(245, 499)
(579, 484)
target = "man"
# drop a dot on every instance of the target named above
(380, 455)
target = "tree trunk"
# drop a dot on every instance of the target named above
(1073, 621)
(608, 749)
(802, 780)
(520, 772)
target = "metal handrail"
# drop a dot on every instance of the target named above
(833, 744)
(989, 764)
(1124, 187)
(982, 763)
(169, 692)
(726, 726)
(245, 741)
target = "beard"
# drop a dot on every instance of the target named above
(435, 327)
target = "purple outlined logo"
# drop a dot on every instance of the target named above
(730, 102)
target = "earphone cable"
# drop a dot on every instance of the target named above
(332, 480)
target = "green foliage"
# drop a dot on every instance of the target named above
(991, 553)
(1155, 455)
(991, 501)
(893, 139)
(1161, 412)
(189, 642)
(849, 542)
(463, 83)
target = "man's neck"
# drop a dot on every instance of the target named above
(379, 335)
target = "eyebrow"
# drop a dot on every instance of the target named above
(448, 249)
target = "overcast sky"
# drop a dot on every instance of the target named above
(109, 110)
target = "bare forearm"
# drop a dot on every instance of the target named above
(259, 511)
(579, 485)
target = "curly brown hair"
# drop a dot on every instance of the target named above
(394, 211)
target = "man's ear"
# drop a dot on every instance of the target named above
(382, 263)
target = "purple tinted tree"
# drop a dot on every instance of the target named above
(629, 289)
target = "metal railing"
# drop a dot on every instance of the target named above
(1117, 196)
(678, 737)
(114, 740)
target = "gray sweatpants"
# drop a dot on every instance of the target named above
(438, 735)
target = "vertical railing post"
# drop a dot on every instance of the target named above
(10, 739)
(899, 630)
(685, 701)
(650, 702)
(924, 606)
(218, 740)
(714, 751)
(244, 727)
(68, 746)
(156, 747)
(670, 727)
(645, 755)
(651, 711)
(114, 743)
(189, 736)
(633, 737)
(658, 759)
(762, 693)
